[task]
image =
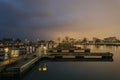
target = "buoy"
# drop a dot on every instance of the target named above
(44, 69)
(40, 69)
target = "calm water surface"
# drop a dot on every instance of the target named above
(79, 70)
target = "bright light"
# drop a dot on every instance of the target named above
(6, 50)
(39, 69)
(44, 69)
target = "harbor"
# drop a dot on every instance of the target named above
(18, 66)
(59, 40)
(18, 58)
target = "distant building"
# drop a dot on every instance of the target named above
(111, 39)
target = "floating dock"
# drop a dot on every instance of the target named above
(82, 56)
(20, 67)
(69, 51)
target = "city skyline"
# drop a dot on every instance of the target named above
(46, 19)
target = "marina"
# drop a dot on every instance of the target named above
(18, 60)
(59, 40)
(18, 68)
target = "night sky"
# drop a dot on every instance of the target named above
(49, 19)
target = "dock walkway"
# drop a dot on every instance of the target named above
(21, 64)
(8, 62)
(17, 66)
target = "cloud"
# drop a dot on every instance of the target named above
(49, 18)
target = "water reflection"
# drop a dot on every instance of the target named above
(77, 70)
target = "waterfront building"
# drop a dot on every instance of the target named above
(111, 40)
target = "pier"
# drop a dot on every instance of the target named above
(22, 65)
(18, 67)
(81, 55)
(105, 56)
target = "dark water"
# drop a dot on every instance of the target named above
(79, 70)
